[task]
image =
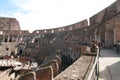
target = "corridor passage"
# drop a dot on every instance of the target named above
(109, 65)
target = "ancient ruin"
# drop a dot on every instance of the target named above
(55, 53)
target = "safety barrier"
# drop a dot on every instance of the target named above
(94, 73)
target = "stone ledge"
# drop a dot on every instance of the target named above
(77, 71)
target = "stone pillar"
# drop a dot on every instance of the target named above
(105, 38)
(3, 38)
(12, 38)
(95, 34)
(114, 32)
(33, 40)
(8, 38)
(17, 39)
(21, 39)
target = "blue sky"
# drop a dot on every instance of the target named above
(9, 7)
(45, 14)
(6, 6)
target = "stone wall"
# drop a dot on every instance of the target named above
(74, 26)
(105, 14)
(78, 70)
(105, 25)
(9, 24)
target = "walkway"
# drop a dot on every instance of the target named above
(109, 65)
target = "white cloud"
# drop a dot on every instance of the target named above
(45, 14)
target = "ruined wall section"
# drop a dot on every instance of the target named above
(9, 24)
(74, 26)
(97, 18)
(105, 14)
(118, 5)
(113, 26)
(105, 24)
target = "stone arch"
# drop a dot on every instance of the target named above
(10, 38)
(6, 39)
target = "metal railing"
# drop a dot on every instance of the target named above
(94, 73)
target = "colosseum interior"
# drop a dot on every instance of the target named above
(56, 53)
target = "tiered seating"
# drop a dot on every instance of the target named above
(46, 71)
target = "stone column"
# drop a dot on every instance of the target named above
(8, 38)
(114, 33)
(106, 37)
(17, 39)
(3, 37)
(21, 39)
(33, 40)
(12, 38)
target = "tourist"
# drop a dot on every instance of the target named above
(94, 47)
(118, 47)
(100, 45)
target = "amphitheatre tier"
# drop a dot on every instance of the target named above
(56, 49)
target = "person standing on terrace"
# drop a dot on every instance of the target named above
(118, 47)
(94, 47)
